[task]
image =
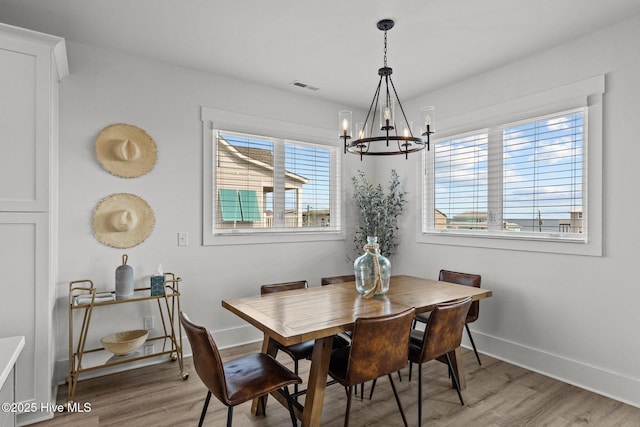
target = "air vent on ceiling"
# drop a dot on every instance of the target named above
(303, 85)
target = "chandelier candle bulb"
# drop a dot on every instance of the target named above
(344, 120)
(428, 119)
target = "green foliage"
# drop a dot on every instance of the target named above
(379, 212)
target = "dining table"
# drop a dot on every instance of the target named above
(320, 312)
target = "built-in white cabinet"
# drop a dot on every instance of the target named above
(31, 65)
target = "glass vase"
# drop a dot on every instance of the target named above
(372, 270)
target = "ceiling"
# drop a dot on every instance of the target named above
(333, 45)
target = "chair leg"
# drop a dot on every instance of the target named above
(419, 394)
(204, 409)
(294, 421)
(346, 414)
(410, 369)
(229, 415)
(475, 350)
(263, 404)
(295, 370)
(395, 393)
(373, 386)
(455, 379)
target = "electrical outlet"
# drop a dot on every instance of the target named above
(148, 348)
(148, 323)
(183, 238)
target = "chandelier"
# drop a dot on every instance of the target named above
(392, 136)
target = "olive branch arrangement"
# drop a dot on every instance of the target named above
(379, 212)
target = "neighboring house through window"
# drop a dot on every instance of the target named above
(270, 189)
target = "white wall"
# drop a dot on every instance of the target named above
(107, 87)
(572, 317)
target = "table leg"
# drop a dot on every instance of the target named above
(314, 399)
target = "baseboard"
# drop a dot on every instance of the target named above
(601, 381)
(240, 335)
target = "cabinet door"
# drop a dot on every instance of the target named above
(24, 304)
(25, 85)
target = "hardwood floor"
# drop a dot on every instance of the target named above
(497, 394)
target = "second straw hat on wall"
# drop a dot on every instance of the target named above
(126, 150)
(123, 220)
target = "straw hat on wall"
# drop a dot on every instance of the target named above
(123, 220)
(126, 150)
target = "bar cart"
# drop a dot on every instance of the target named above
(83, 299)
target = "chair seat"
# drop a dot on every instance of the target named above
(423, 317)
(304, 350)
(254, 375)
(298, 351)
(338, 364)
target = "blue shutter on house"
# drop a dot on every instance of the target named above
(249, 205)
(229, 205)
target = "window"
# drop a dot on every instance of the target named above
(524, 181)
(532, 187)
(269, 188)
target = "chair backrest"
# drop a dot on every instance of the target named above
(468, 280)
(379, 346)
(206, 358)
(280, 287)
(443, 332)
(337, 279)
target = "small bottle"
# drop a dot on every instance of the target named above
(372, 270)
(124, 279)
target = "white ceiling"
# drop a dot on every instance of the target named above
(331, 44)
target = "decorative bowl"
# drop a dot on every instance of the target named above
(123, 343)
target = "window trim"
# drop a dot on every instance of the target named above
(245, 123)
(589, 93)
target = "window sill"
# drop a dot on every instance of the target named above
(244, 238)
(514, 243)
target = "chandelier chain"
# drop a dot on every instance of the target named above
(385, 48)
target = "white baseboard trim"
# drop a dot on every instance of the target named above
(240, 335)
(601, 381)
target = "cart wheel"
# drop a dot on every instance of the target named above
(173, 357)
(185, 375)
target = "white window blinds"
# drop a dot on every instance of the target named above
(543, 174)
(461, 192)
(524, 179)
(270, 184)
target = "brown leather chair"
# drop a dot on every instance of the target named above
(379, 346)
(304, 349)
(442, 334)
(337, 279)
(461, 279)
(239, 380)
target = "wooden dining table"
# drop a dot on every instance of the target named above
(319, 312)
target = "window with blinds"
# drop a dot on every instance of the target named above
(543, 174)
(522, 180)
(265, 184)
(461, 190)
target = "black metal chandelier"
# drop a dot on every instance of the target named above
(391, 137)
